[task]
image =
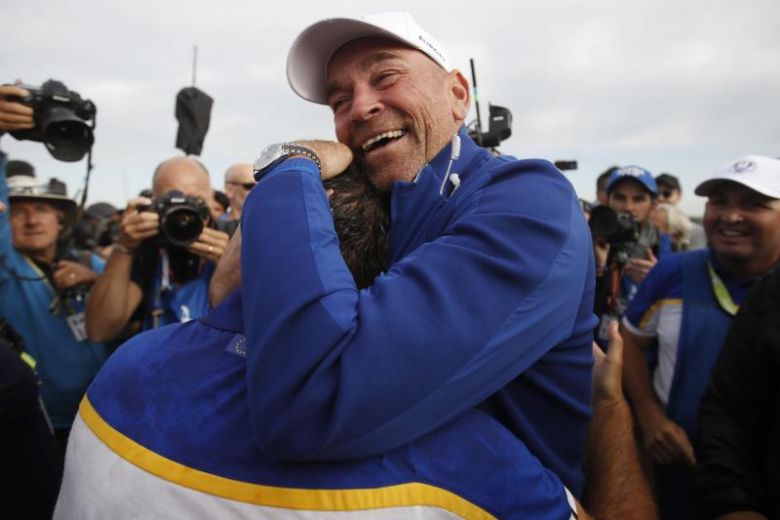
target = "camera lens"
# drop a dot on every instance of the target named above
(66, 136)
(181, 226)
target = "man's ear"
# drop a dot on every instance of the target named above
(461, 95)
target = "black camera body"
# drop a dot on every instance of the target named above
(60, 120)
(182, 218)
(626, 237)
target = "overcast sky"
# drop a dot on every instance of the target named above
(676, 86)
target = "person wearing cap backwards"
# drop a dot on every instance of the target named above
(686, 303)
(488, 299)
(42, 291)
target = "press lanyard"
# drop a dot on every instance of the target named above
(721, 292)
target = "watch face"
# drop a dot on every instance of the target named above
(268, 156)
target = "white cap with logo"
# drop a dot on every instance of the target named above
(759, 173)
(312, 50)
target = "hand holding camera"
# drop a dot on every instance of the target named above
(137, 225)
(13, 114)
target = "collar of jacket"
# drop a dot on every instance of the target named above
(413, 205)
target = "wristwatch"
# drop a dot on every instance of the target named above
(276, 153)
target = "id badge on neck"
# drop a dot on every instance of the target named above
(77, 325)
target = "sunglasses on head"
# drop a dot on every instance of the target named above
(246, 185)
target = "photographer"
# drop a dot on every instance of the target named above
(152, 279)
(625, 243)
(41, 288)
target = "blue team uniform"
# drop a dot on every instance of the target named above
(164, 432)
(66, 361)
(487, 302)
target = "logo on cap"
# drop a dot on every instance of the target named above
(742, 166)
(633, 171)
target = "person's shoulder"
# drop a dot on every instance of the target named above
(528, 184)
(663, 282)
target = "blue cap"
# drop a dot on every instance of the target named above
(639, 174)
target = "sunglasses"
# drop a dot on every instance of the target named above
(667, 193)
(246, 185)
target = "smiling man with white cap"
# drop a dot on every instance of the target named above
(488, 299)
(687, 303)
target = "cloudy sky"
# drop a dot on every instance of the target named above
(678, 86)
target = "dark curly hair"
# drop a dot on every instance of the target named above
(361, 219)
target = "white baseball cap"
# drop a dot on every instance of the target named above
(312, 50)
(757, 172)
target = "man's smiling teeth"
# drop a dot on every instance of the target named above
(732, 232)
(392, 134)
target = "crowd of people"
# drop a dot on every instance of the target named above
(400, 323)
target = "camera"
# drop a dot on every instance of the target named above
(182, 219)
(626, 237)
(60, 120)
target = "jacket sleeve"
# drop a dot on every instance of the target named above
(6, 243)
(737, 412)
(337, 373)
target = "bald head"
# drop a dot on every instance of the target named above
(185, 174)
(237, 178)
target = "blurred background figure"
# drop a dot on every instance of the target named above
(671, 220)
(97, 229)
(670, 192)
(239, 180)
(220, 205)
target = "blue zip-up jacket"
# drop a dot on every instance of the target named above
(64, 365)
(488, 299)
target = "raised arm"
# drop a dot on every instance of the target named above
(616, 487)
(338, 373)
(666, 441)
(114, 296)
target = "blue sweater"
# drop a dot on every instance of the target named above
(65, 365)
(488, 300)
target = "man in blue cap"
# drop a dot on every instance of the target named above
(622, 263)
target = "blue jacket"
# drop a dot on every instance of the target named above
(65, 365)
(171, 407)
(488, 299)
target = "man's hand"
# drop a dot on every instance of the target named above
(14, 115)
(608, 371)
(70, 274)
(637, 268)
(211, 244)
(664, 440)
(137, 225)
(334, 156)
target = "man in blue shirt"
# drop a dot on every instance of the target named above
(488, 298)
(42, 288)
(686, 303)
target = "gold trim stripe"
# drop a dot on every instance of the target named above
(654, 307)
(401, 495)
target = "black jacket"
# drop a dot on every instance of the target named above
(739, 419)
